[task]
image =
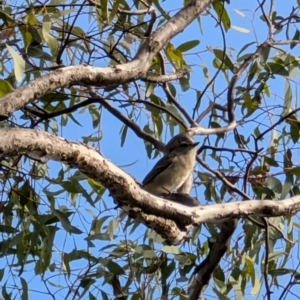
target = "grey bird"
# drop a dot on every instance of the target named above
(173, 169)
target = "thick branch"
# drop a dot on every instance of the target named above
(206, 268)
(125, 190)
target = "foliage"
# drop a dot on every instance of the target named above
(61, 234)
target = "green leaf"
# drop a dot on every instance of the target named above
(294, 171)
(19, 63)
(39, 53)
(240, 29)
(5, 87)
(271, 162)
(104, 295)
(112, 266)
(49, 39)
(244, 48)
(276, 69)
(112, 226)
(287, 186)
(170, 249)
(95, 114)
(104, 9)
(166, 270)
(175, 56)
(92, 297)
(114, 10)
(24, 289)
(184, 84)
(63, 218)
(188, 45)
(225, 58)
(281, 271)
(296, 38)
(275, 184)
(160, 9)
(72, 186)
(150, 88)
(7, 229)
(294, 131)
(66, 263)
(221, 296)
(1, 273)
(27, 39)
(219, 8)
(264, 55)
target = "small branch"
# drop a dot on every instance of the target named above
(268, 18)
(67, 38)
(223, 179)
(290, 283)
(203, 147)
(211, 107)
(117, 288)
(208, 131)
(249, 165)
(277, 123)
(266, 269)
(152, 11)
(165, 78)
(206, 268)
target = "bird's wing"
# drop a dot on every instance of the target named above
(159, 167)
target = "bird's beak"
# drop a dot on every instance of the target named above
(195, 144)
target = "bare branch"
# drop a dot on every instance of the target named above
(267, 252)
(206, 131)
(166, 78)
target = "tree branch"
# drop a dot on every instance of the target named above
(104, 77)
(127, 192)
(208, 265)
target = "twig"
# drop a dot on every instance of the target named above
(266, 268)
(203, 147)
(277, 123)
(165, 78)
(223, 179)
(66, 40)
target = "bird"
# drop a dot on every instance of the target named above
(183, 198)
(173, 169)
